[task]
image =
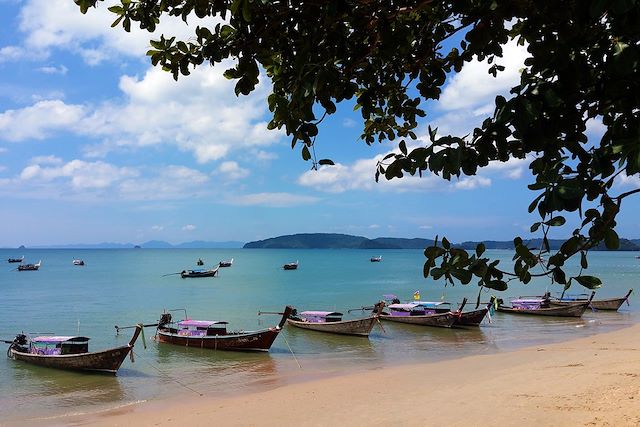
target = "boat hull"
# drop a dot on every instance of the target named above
(246, 341)
(471, 318)
(573, 310)
(441, 320)
(358, 327)
(609, 304)
(106, 361)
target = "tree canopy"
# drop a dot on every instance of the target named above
(393, 56)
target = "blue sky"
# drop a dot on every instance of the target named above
(96, 145)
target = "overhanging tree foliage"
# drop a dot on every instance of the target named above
(393, 56)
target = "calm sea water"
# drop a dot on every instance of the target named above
(124, 287)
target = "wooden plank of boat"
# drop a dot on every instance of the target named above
(260, 340)
(105, 361)
(609, 304)
(358, 327)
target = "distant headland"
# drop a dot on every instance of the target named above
(346, 241)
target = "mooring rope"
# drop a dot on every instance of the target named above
(167, 376)
(292, 353)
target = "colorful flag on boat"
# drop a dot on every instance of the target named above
(416, 295)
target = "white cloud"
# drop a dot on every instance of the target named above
(232, 171)
(54, 70)
(81, 174)
(278, 200)
(360, 176)
(189, 227)
(474, 86)
(58, 24)
(11, 53)
(157, 227)
(40, 120)
(624, 180)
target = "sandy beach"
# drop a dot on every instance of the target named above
(593, 381)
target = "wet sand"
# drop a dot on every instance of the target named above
(593, 381)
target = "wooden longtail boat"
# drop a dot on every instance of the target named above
(226, 263)
(30, 267)
(376, 258)
(199, 273)
(78, 262)
(422, 313)
(213, 334)
(69, 352)
(16, 259)
(331, 322)
(541, 306)
(610, 304)
(291, 266)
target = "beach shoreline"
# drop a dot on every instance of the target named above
(589, 381)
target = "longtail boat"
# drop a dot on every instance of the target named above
(16, 259)
(610, 304)
(69, 352)
(376, 258)
(541, 306)
(422, 313)
(30, 267)
(212, 334)
(331, 322)
(78, 262)
(199, 273)
(291, 266)
(228, 263)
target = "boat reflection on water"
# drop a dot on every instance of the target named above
(59, 392)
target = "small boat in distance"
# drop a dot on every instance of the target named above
(541, 306)
(199, 273)
(30, 267)
(291, 266)
(610, 304)
(200, 261)
(376, 258)
(16, 259)
(213, 334)
(78, 262)
(69, 352)
(226, 263)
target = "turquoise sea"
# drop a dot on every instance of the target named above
(124, 287)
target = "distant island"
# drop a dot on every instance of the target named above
(346, 241)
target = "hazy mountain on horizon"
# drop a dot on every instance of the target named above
(151, 244)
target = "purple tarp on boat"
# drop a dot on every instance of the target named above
(200, 323)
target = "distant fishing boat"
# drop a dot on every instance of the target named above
(376, 258)
(78, 262)
(16, 259)
(69, 352)
(608, 304)
(30, 267)
(541, 306)
(199, 273)
(291, 266)
(200, 261)
(226, 263)
(213, 334)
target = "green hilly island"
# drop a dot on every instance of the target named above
(346, 241)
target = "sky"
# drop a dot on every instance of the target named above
(97, 145)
